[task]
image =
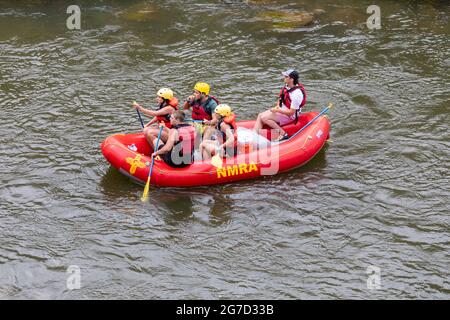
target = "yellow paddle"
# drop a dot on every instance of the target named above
(147, 185)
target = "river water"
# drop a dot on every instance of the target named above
(373, 205)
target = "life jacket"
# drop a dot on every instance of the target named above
(198, 109)
(186, 137)
(231, 121)
(285, 97)
(166, 118)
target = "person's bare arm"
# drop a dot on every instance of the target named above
(173, 137)
(147, 112)
(151, 122)
(186, 105)
(163, 111)
(213, 121)
(229, 136)
(287, 112)
(188, 102)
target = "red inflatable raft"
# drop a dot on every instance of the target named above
(129, 153)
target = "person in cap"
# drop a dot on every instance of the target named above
(291, 99)
(167, 104)
(226, 128)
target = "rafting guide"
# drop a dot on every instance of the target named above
(291, 99)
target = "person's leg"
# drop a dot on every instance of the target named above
(149, 133)
(198, 135)
(201, 148)
(153, 137)
(208, 133)
(260, 120)
(208, 149)
(160, 144)
(273, 120)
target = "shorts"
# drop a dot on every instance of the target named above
(167, 158)
(283, 119)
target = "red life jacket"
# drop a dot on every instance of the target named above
(285, 97)
(231, 121)
(186, 136)
(198, 109)
(166, 118)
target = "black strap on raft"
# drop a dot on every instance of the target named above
(181, 125)
(281, 99)
(296, 115)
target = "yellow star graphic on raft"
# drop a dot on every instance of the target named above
(135, 163)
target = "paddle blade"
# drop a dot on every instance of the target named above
(145, 194)
(216, 161)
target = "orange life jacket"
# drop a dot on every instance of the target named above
(166, 118)
(231, 121)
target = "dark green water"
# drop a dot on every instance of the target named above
(377, 196)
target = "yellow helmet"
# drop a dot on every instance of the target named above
(203, 87)
(223, 109)
(165, 93)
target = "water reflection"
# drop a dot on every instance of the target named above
(114, 185)
(174, 205)
(203, 205)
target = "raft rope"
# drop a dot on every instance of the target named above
(330, 105)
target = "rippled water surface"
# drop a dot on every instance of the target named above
(376, 196)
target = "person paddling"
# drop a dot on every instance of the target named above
(177, 149)
(167, 104)
(226, 144)
(290, 102)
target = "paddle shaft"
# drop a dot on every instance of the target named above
(192, 120)
(156, 149)
(140, 118)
